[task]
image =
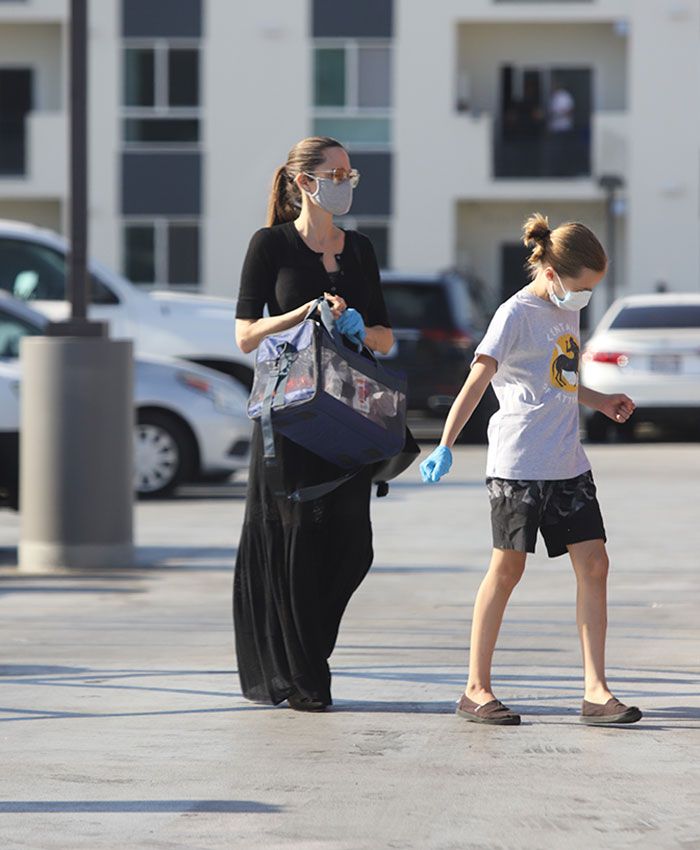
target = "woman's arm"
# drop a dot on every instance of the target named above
(379, 338)
(469, 396)
(251, 332)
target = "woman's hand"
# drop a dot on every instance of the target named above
(351, 325)
(617, 406)
(336, 303)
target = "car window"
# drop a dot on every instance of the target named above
(658, 316)
(12, 330)
(417, 305)
(34, 272)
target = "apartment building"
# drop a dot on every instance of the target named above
(463, 116)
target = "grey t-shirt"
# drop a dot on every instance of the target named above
(535, 433)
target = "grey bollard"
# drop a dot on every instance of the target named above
(76, 454)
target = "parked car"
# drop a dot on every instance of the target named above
(438, 321)
(190, 422)
(647, 346)
(9, 433)
(198, 328)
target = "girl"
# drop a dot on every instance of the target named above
(299, 564)
(538, 476)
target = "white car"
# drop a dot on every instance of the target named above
(647, 346)
(198, 328)
(191, 422)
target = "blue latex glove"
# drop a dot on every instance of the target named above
(436, 465)
(351, 325)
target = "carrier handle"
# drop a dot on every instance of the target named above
(329, 324)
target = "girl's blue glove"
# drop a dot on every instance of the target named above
(436, 465)
(351, 325)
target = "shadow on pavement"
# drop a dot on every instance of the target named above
(138, 806)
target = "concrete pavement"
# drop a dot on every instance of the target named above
(122, 725)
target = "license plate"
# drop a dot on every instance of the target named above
(665, 363)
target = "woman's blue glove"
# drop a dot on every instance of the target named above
(436, 465)
(351, 325)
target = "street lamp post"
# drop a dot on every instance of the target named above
(76, 455)
(610, 183)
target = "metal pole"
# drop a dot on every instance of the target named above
(77, 279)
(77, 284)
(76, 451)
(611, 245)
(610, 183)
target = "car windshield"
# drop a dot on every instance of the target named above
(658, 316)
(417, 305)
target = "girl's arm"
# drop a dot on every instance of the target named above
(616, 406)
(469, 396)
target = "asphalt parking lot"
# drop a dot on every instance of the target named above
(123, 724)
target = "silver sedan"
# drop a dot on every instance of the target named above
(190, 421)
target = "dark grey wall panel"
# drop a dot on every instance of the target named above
(353, 18)
(373, 194)
(161, 184)
(162, 18)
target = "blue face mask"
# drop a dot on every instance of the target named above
(574, 301)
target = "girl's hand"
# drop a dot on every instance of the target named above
(337, 304)
(618, 407)
(437, 464)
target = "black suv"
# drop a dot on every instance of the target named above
(438, 321)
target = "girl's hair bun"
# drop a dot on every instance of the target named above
(536, 230)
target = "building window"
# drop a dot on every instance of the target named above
(162, 252)
(377, 230)
(352, 92)
(161, 94)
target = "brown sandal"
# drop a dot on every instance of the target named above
(492, 712)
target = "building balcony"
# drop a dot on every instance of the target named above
(34, 157)
(491, 167)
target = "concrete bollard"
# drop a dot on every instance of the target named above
(76, 466)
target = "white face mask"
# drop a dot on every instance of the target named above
(335, 198)
(572, 300)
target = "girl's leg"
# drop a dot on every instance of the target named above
(505, 571)
(590, 562)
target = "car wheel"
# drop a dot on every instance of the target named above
(163, 454)
(597, 429)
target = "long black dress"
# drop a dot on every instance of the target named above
(298, 564)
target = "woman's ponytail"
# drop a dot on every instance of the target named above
(281, 206)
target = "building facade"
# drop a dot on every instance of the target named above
(463, 117)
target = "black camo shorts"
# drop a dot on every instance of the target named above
(565, 512)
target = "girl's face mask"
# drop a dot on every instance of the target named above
(570, 300)
(335, 198)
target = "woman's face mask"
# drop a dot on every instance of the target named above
(335, 198)
(570, 300)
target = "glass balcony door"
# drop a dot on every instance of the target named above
(15, 103)
(544, 126)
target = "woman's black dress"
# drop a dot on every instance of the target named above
(298, 564)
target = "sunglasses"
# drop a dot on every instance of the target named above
(338, 175)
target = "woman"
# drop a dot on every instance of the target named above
(298, 564)
(539, 477)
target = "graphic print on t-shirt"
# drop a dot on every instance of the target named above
(564, 364)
